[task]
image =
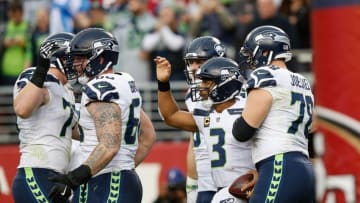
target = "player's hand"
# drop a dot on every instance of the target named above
(65, 182)
(61, 190)
(163, 69)
(250, 185)
(47, 49)
(59, 193)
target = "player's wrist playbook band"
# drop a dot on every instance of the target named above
(163, 86)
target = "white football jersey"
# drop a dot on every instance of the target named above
(76, 158)
(289, 120)
(118, 88)
(45, 137)
(229, 158)
(202, 158)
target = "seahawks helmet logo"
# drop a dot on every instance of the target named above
(271, 36)
(105, 44)
(220, 49)
(265, 36)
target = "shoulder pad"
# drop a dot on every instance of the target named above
(101, 90)
(261, 77)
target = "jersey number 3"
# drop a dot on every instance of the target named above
(218, 147)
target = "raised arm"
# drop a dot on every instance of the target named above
(168, 107)
(147, 138)
(29, 99)
(33, 95)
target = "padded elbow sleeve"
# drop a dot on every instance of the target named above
(242, 131)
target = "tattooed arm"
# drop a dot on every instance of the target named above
(147, 138)
(107, 119)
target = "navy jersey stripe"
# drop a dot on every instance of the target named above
(200, 112)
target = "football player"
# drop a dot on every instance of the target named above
(220, 81)
(45, 118)
(200, 186)
(109, 124)
(277, 119)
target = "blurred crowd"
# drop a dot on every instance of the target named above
(144, 28)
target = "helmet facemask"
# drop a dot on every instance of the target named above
(201, 49)
(197, 92)
(246, 59)
(96, 62)
(190, 70)
(62, 60)
(104, 55)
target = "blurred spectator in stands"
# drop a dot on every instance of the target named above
(176, 186)
(210, 17)
(132, 58)
(16, 44)
(183, 18)
(298, 12)
(39, 32)
(165, 40)
(244, 11)
(175, 191)
(98, 16)
(3, 9)
(117, 13)
(31, 7)
(69, 15)
(268, 14)
(3, 20)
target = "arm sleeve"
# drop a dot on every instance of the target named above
(242, 131)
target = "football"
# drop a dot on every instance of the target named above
(235, 187)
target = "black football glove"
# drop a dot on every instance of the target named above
(64, 183)
(45, 52)
(60, 193)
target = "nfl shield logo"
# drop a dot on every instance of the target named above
(206, 121)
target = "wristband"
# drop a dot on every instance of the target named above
(163, 86)
(38, 79)
(39, 75)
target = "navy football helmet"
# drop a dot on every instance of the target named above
(201, 48)
(94, 43)
(60, 56)
(228, 79)
(264, 44)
